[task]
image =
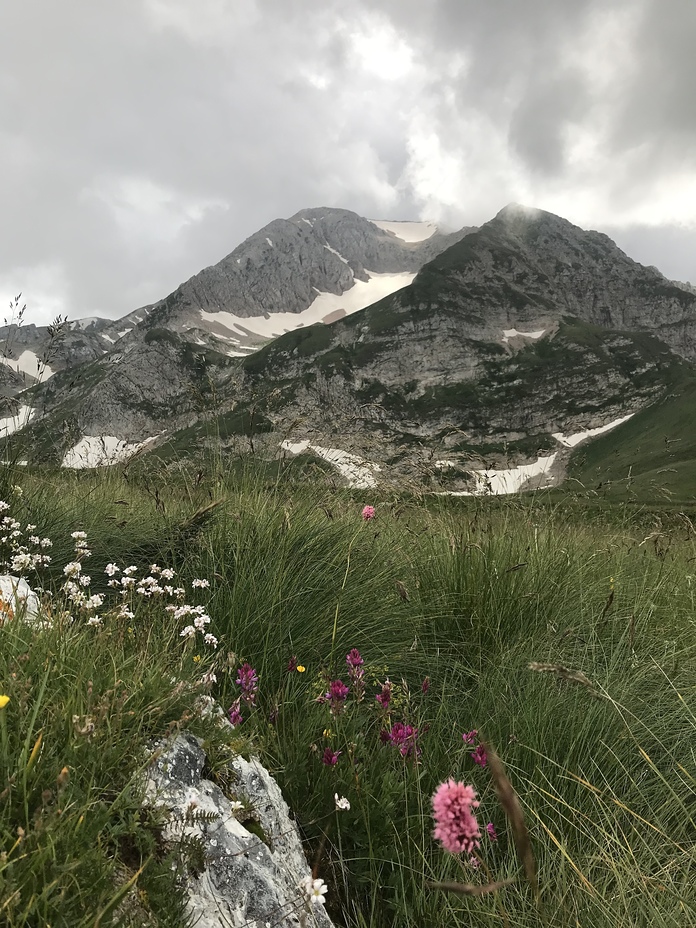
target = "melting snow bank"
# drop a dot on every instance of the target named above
(502, 482)
(326, 307)
(29, 363)
(407, 231)
(100, 450)
(11, 424)
(570, 441)
(513, 333)
(359, 473)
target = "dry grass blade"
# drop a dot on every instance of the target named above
(510, 803)
(469, 889)
(565, 673)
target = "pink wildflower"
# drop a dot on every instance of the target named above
(235, 713)
(425, 685)
(336, 696)
(330, 757)
(356, 673)
(470, 736)
(404, 737)
(492, 833)
(368, 513)
(248, 680)
(479, 756)
(384, 698)
(456, 827)
(354, 658)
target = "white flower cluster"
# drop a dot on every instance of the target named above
(21, 557)
(76, 586)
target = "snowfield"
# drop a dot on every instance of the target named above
(503, 482)
(28, 363)
(100, 450)
(570, 441)
(513, 333)
(12, 424)
(326, 307)
(407, 231)
(360, 474)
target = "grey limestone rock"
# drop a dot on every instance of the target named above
(245, 880)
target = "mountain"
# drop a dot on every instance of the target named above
(160, 367)
(30, 353)
(494, 344)
(526, 327)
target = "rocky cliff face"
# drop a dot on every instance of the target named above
(527, 326)
(524, 327)
(156, 368)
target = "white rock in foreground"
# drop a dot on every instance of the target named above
(245, 881)
(17, 600)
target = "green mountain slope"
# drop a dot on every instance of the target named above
(652, 456)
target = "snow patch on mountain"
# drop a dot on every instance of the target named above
(29, 363)
(570, 441)
(492, 482)
(407, 231)
(100, 450)
(11, 424)
(513, 333)
(326, 307)
(360, 474)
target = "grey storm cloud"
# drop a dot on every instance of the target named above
(144, 139)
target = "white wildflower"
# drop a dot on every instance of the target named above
(111, 569)
(314, 890)
(200, 584)
(167, 573)
(94, 620)
(188, 632)
(342, 804)
(73, 569)
(79, 536)
(211, 640)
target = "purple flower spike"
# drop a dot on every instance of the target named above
(248, 680)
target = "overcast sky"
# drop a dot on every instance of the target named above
(141, 140)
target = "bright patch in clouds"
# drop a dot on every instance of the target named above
(381, 51)
(143, 209)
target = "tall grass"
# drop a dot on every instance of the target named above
(467, 593)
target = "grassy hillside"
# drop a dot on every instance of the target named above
(448, 602)
(651, 457)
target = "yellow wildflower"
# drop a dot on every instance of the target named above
(301, 668)
(196, 658)
(4, 701)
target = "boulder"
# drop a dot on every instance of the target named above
(17, 600)
(252, 876)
